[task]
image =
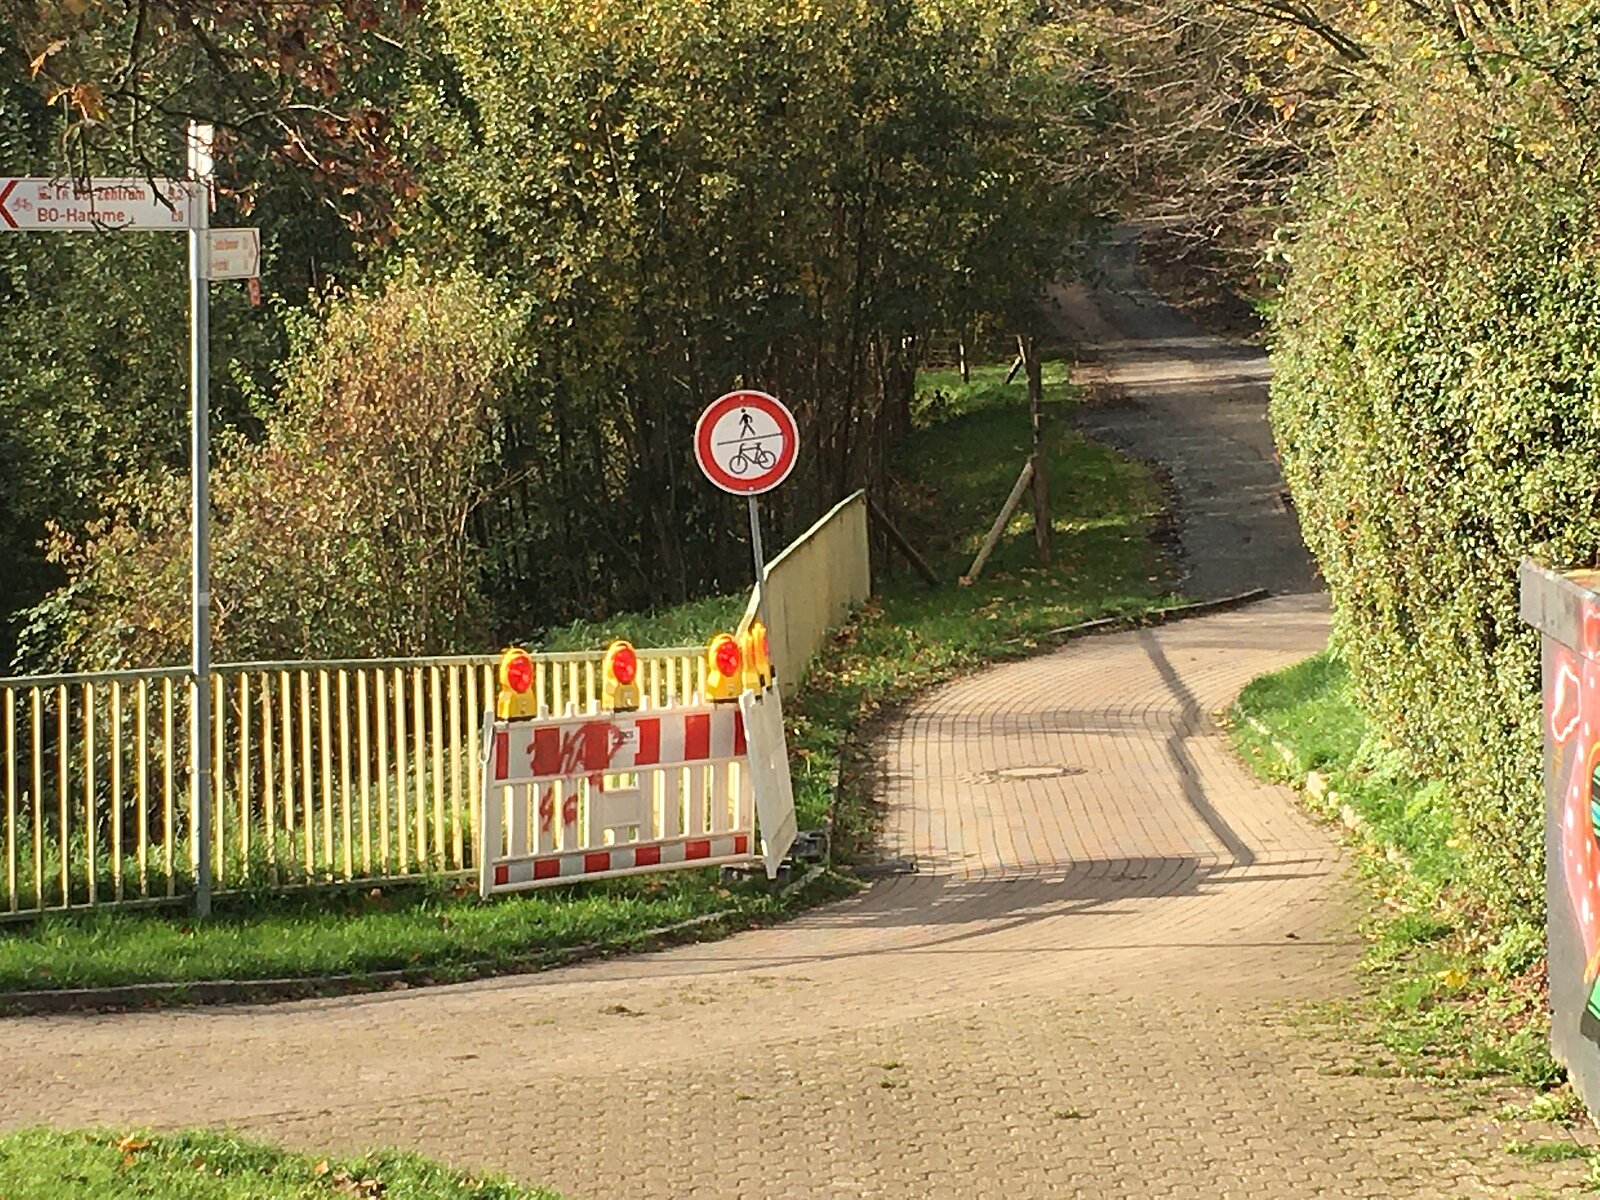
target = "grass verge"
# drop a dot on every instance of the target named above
(43, 1164)
(1446, 998)
(425, 933)
(952, 475)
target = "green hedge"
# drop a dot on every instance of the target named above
(1437, 407)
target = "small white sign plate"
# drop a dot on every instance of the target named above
(769, 775)
(235, 253)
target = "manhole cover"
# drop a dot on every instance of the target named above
(1040, 772)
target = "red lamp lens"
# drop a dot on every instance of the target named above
(624, 664)
(727, 656)
(519, 673)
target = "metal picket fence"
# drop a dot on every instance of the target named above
(323, 772)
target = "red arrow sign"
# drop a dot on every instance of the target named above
(5, 213)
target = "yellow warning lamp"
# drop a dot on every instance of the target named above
(620, 690)
(757, 657)
(724, 669)
(516, 698)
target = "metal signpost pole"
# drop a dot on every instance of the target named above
(199, 484)
(761, 563)
(43, 204)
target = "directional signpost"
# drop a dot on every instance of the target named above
(38, 205)
(746, 443)
(65, 205)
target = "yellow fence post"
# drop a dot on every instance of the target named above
(219, 783)
(269, 823)
(116, 788)
(419, 762)
(383, 771)
(11, 801)
(169, 822)
(436, 736)
(366, 773)
(400, 770)
(243, 786)
(89, 831)
(308, 811)
(456, 860)
(325, 738)
(344, 772)
(474, 781)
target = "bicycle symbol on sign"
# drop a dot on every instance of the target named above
(751, 455)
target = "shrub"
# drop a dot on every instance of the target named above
(1436, 409)
(345, 532)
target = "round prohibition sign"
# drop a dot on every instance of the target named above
(746, 442)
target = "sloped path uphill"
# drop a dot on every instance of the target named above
(1196, 404)
(1085, 989)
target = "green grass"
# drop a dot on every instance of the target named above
(953, 474)
(44, 1164)
(1445, 998)
(436, 932)
(691, 624)
(1548, 1151)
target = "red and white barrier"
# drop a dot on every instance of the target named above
(607, 794)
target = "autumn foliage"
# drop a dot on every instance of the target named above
(674, 199)
(346, 525)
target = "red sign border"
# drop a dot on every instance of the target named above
(758, 484)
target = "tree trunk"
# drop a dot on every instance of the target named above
(1028, 352)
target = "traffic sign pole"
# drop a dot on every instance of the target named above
(200, 499)
(761, 562)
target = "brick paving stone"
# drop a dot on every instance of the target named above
(1081, 992)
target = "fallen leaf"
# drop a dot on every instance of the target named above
(132, 1144)
(38, 62)
(320, 1169)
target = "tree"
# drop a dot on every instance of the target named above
(300, 83)
(748, 192)
(1435, 397)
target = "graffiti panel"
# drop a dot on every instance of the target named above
(1566, 610)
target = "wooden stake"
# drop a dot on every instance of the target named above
(901, 544)
(999, 525)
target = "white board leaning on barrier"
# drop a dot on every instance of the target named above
(605, 794)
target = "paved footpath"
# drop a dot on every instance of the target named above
(1084, 990)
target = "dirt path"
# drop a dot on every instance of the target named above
(1196, 405)
(1084, 990)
